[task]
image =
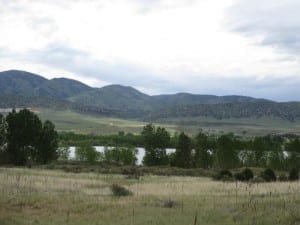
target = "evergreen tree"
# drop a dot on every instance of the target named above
(183, 154)
(293, 150)
(48, 143)
(203, 158)
(2, 130)
(23, 132)
(259, 149)
(156, 140)
(3, 155)
(28, 139)
(226, 152)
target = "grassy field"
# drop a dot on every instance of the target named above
(31, 196)
(242, 126)
(87, 124)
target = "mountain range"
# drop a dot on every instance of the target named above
(24, 89)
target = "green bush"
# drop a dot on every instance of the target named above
(85, 152)
(120, 155)
(239, 177)
(248, 174)
(224, 175)
(119, 190)
(258, 179)
(269, 175)
(293, 175)
(282, 177)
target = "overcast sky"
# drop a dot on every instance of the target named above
(244, 47)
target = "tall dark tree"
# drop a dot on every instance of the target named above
(2, 130)
(268, 152)
(259, 149)
(3, 155)
(183, 154)
(48, 143)
(293, 150)
(203, 146)
(23, 132)
(28, 140)
(226, 152)
(156, 140)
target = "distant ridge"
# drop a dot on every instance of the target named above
(16, 82)
(24, 89)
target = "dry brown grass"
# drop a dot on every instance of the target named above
(31, 196)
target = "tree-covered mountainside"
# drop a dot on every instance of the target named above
(15, 82)
(192, 99)
(115, 97)
(288, 111)
(23, 89)
(61, 88)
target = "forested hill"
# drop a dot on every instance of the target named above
(289, 111)
(15, 82)
(24, 89)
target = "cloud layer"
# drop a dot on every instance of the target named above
(161, 46)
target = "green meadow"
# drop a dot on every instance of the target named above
(89, 124)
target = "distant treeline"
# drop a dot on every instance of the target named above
(121, 139)
(287, 111)
(224, 152)
(24, 139)
(201, 151)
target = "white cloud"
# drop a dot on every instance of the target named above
(160, 45)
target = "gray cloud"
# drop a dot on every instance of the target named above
(79, 62)
(278, 89)
(276, 21)
(69, 59)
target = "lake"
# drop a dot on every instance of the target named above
(139, 155)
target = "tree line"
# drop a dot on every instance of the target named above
(25, 139)
(289, 111)
(224, 152)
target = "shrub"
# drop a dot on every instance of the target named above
(293, 175)
(282, 177)
(120, 155)
(224, 175)
(85, 152)
(268, 175)
(169, 203)
(239, 177)
(258, 179)
(248, 174)
(119, 190)
(227, 178)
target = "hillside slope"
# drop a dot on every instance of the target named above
(16, 82)
(23, 89)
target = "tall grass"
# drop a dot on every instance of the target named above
(31, 196)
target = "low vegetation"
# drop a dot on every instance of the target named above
(119, 190)
(36, 196)
(108, 188)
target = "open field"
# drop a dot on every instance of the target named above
(242, 126)
(32, 196)
(87, 124)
